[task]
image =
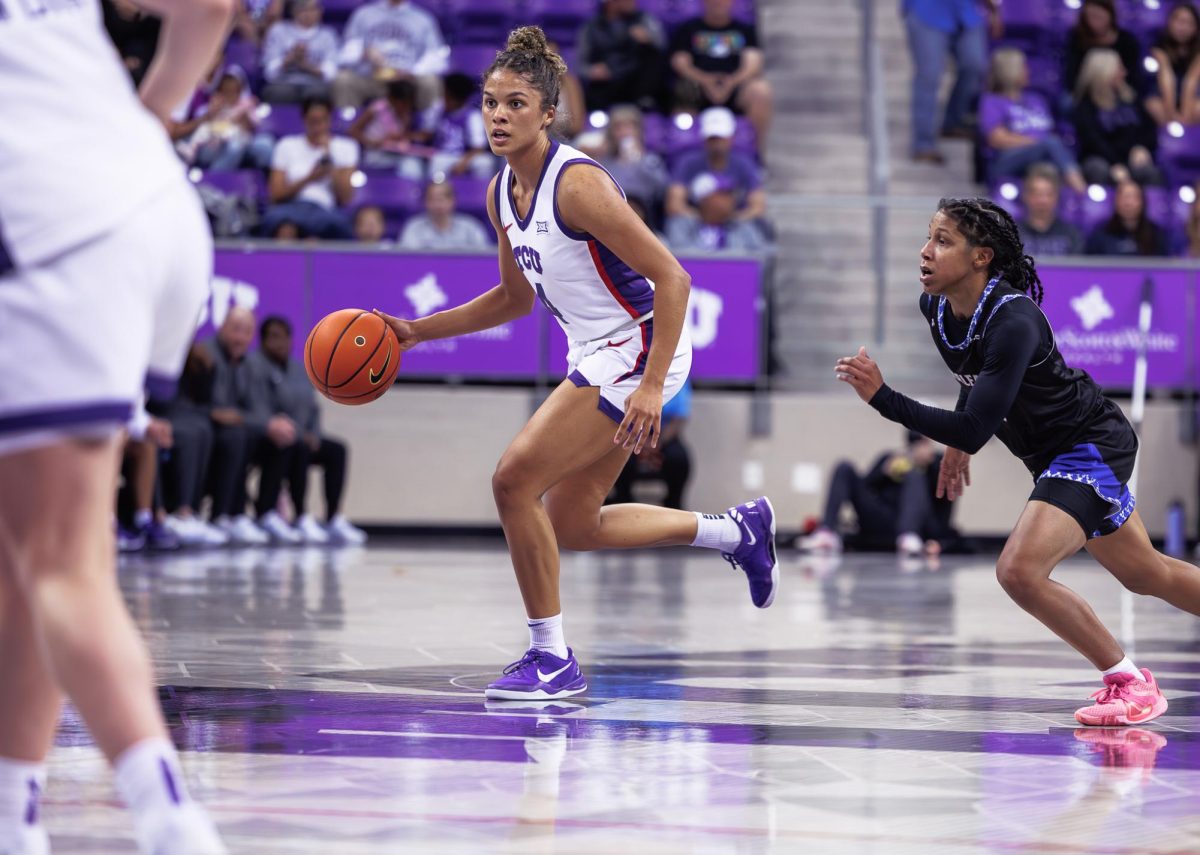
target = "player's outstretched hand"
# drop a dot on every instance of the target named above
(406, 331)
(643, 419)
(861, 372)
(954, 475)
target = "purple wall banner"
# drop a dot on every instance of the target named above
(1094, 312)
(724, 313)
(724, 317)
(413, 286)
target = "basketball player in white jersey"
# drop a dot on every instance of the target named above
(104, 263)
(568, 238)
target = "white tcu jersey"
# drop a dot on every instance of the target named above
(78, 151)
(581, 282)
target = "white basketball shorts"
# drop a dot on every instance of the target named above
(616, 366)
(83, 334)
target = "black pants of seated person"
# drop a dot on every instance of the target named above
(236, 448)
(675, 470)
(881, 518)
(330, 455)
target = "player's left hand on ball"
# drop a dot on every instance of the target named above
(643, 419)
(861, 372)
(406, 331)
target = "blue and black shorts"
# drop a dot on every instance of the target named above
(1091, 483)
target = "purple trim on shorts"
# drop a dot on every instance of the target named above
(31, 806)
(161, 386)
(96, 412)
(639, 364)
(610, 409)
(523, 222)
(169, 779)
(578, 379)
(566, 230)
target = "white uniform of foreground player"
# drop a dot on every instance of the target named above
(104, 262)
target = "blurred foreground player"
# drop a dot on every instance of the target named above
(567, 237)
(104, 262)
(981, 297)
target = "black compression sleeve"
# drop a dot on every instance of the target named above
(1008, 350)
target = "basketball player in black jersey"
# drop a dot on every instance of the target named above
(981, 298)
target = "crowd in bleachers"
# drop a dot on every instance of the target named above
(238, 410)
(343, 119)
(1089, 128)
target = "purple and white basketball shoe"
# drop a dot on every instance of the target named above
(539, 675)
(755, 555)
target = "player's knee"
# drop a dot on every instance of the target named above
(508, 485)
(573, 531)
(1018, 577)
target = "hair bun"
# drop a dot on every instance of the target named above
(532, 40)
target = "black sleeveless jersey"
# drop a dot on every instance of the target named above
(1015, 385)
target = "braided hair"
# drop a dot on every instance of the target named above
(984, 223)
(530, 55)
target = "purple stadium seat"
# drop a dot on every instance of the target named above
(246, 183)
(1158, 205)
(282, 120)
(398, 197)
(244, 55)
(673, 12)
(470, 195)
(1085, 212)
(1180, 156)
(679, 140)
(655, 128)
(472, 59)
(1013, 206)
(561, 19)
(1180, 210)
(337, 12)
(744, 138)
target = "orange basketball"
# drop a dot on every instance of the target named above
(352, 356)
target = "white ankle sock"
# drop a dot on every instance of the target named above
(21, 786)
(547, 634)
(1125, 666)
(717, 531)
(149, 778)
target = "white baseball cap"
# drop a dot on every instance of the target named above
(717, 122)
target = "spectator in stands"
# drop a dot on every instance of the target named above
(1129, 231)
(146, 436)
(390, 133)
(252, 18)
(621, 55)
(185, 472)
(459, 138)
(299, 56)
(1097, 29)
(1018, 126)
(668, 462)
(640, 172)
(1115, 135)
(247, 432)
(134, 33)
(1193, 231)
(370, 226)
(895, 501)
(718, 63)
(310, 179)
(937, 28)
(225, 137)
(440, 227)
(572, 106)
(1177, 52)
(387, 40)
(293, 398)
(716, 199)
(1043, 232)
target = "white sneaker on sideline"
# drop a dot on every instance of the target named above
(341, 531)
(182, 830)
(242, 531)
(278, 529)
(24, 840)
(193, 531)
(910, 545)
(311, 530)
(822, 541)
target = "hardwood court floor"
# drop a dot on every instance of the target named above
(330, 702)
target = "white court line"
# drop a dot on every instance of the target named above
(339, 732)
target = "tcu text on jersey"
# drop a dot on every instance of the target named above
(527, 258)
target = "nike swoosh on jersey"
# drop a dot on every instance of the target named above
(546, 678)
(375, 378)
(619, 343)
(509, 226)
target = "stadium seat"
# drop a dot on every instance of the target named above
(280, 120)
(1179, 153)
(398, 197)
(471, 196)
(473, 59)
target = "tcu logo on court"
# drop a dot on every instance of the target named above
(527, 258)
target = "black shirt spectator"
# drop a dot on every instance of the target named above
(1177, 52)
(621, 54)
(134, 33)
(1097, 28)
(1043, 232)
(1116, 137)
(1129, 231)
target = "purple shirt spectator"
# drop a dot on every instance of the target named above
(740, 175)
(1029, 115)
